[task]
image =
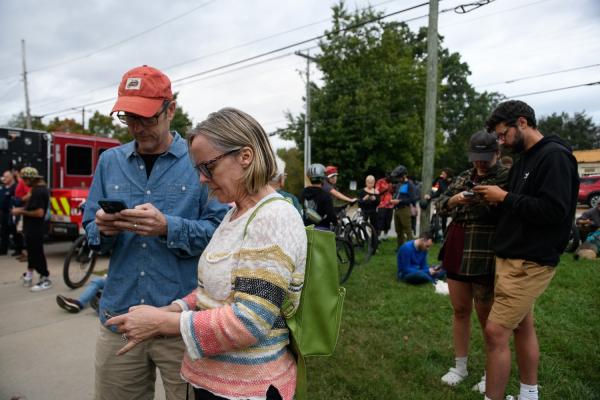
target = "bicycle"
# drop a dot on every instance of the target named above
(358, 232)
(79, 263)
(345, 258)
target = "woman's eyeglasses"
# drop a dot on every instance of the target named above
(204, 168)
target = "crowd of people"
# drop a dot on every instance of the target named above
(197, 279)
(24, 211)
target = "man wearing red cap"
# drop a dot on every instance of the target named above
(155, 243)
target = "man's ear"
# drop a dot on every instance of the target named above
(246, 156)
(171, 110)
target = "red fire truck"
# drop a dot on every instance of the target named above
(66, 160)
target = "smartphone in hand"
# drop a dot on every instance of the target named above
(111, 206)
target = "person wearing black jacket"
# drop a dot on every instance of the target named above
(533, 229)
(317, 204)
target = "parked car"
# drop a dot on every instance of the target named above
(589, 190)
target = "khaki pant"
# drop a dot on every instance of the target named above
(518, 285)
(403, 225)
(132, 375)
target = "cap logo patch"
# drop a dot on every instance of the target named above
(133, 83)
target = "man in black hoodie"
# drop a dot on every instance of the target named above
(532, 232)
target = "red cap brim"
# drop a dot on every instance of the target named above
(142, 106)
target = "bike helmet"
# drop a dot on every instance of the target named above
(316, 171)
(331, 171)
(399, 172)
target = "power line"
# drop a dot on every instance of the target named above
(120, 42)
(215, 53)
(539, 75)
(472, 6)
(554, 90)
(357, 25)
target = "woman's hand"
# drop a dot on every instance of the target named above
(460, 199)
(144, 322)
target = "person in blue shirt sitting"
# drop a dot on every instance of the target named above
(412, 261)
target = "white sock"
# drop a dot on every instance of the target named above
(528, 392)
(461, 363)
(28, 273)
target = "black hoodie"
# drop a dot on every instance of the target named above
(537, 214)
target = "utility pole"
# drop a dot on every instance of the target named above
(430, 109)
(27, 111)
(307, 152)
(83, 119)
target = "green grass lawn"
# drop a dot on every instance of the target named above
(396, 339)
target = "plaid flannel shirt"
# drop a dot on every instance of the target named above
(478, 219)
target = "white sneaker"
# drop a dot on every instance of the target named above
(43, 284)
(27, 280)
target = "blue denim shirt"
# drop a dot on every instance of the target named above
(152, 270)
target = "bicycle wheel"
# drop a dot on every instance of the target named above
(345, 258)
(79, 263)
(361, 243)
(372, 232)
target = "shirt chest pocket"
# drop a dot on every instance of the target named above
(178, 198)
(119, 191)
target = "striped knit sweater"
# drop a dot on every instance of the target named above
(235, 336)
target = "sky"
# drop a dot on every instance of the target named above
(77, 51)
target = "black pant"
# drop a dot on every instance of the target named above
(36, 258)
(201, 394)
(384, 217)
(8, 229)
(371, 217)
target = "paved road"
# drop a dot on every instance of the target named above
(45, 352)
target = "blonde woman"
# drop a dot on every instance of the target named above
(236, 338)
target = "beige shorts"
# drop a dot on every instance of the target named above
(132, 376)
(518, 285)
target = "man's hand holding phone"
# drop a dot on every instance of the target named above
(144, 219)
(108, 214)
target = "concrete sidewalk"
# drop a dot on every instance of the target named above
(45, 352)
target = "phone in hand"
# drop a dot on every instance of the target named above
(468, 194)
(111, 206)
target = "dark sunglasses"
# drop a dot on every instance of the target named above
(130, 119)
(204, 168)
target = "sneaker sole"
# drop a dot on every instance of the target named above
(65, 305)
(37, 288)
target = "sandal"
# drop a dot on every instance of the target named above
(454, 376)
(480, 387)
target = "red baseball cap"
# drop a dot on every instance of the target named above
(331, 171)
(142, 91)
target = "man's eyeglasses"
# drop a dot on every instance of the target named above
(129, 119)
(204, 168)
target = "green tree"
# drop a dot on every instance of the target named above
(367, 116)
(105, 125)
(579, 130)
(294, 168)
(181, 120)
(65, 125)
(20, 121)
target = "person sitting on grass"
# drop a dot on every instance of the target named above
(90, 296)
(412, 261)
